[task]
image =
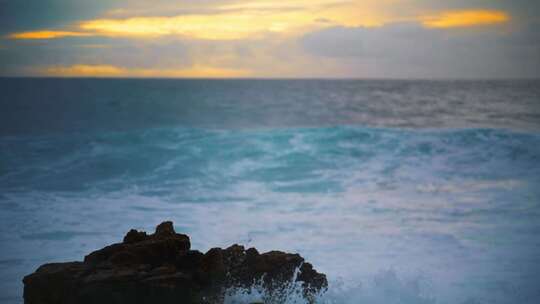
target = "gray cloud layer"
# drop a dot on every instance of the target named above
(397, 50)
(409, 50)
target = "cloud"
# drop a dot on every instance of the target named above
(215, 27)
(226, 21)
(81, 70)
(241, 20)
(465, 18)
(84, 70)
(223, 26)
(409, 50)
(46, 35)
(297, 38)
(19, 16)
(151, 53)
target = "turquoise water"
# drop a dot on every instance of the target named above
(400, 191)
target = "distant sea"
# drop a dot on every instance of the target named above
(400, 191)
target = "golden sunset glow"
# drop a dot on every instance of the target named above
(46, 35)
(83, 70)
(222, 27)
(232, 21)
(236, 22)
(247, 20)
(251, 38)
(465, 18)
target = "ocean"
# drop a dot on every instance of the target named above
(400, 191)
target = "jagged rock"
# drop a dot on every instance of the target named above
(162, 268)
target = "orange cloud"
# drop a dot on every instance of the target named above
(465, 18)
(224, 26)
(243, 19)
(84, 70)
(46, 35)
(220, 27)
(237, 20)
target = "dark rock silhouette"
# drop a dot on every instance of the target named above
(162, 268)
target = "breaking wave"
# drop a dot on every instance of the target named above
(455, 210)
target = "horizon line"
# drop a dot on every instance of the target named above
(277, 78)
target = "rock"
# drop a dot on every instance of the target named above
(165, 228)
(134, 236)
(162, 268)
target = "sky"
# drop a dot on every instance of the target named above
(271, 39)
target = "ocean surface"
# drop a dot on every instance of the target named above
(400, 191)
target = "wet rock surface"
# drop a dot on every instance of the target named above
(162, 268)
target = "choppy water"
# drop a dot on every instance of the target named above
(400, 191)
